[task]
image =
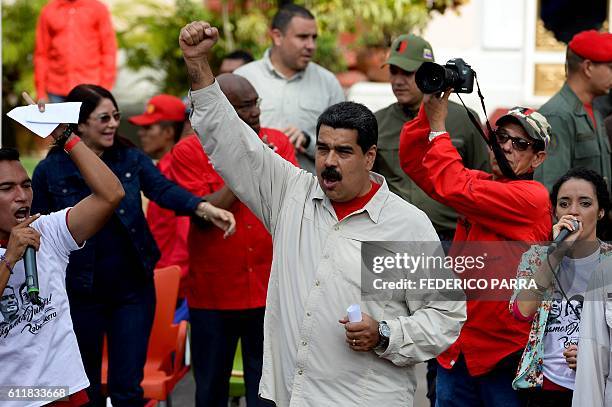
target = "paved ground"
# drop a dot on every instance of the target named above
(183, 395)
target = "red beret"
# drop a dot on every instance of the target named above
(592, 45)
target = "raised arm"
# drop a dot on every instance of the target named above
(257, 175)
(412, 149)
(470, 192)
(89, 215)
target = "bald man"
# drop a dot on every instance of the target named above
(228, 278)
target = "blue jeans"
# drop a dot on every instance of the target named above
(214, 337)
(127, 324)
(456, 388)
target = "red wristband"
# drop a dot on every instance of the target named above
(70, 144)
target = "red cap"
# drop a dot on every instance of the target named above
(592, 45)
(161, 108)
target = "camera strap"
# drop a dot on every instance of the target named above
(502, 162)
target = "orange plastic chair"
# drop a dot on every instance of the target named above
(165, 364)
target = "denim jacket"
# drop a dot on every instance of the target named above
(58, 184)
(530, 371)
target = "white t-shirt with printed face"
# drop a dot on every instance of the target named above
(562, 327)
(38, 346)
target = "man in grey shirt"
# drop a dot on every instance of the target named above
(313, 356)
(294, 91)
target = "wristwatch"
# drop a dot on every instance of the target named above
(434, 134)
(384, 332)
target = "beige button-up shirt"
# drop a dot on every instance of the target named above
(296, 101)
(315, 275)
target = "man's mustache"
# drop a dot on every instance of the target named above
(331, 174)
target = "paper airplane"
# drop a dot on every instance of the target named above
(42, 124)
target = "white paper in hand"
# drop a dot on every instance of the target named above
(354, 313)
(42, 124)
(67, 112)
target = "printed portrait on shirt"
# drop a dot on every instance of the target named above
(9, 306)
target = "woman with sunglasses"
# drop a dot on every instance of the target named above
(547, 372)
(110, 281)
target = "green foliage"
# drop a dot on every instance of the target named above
(29, 162)
(18, 35)
(150, 37)
(377, 21)
(148, 33)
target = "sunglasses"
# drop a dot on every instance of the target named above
(519, 144)
(105, 118)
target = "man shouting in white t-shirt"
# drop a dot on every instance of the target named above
(38, 347)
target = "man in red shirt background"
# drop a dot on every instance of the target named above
(228, 278)
(161, 126)
(75, 44)
(479, 367)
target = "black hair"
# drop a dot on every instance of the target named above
(283, 16)
(240, 54)
(9, 154)
(352, 116)
(601, 190)
(572, 61)
(176, 126)
(90, 96)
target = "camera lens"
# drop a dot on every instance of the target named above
(456, 74)
(431, 78)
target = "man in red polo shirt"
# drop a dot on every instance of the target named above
(75, 43)
(228, 278)
(160, 128)
(477, 370)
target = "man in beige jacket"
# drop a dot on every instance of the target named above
(318, 224)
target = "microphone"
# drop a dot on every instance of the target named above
(31, 274)
(563, 234)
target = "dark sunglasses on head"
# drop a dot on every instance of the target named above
(105, 117)
(519, 144)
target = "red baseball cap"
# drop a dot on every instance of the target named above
(592, 45)
(161, 108)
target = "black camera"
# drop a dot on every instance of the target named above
(434, 78)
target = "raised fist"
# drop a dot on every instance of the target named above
(197, 38)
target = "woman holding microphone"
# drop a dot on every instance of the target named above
(547, 371)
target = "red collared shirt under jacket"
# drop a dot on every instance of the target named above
(75, 43)
(490, 210)
(232, 273)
